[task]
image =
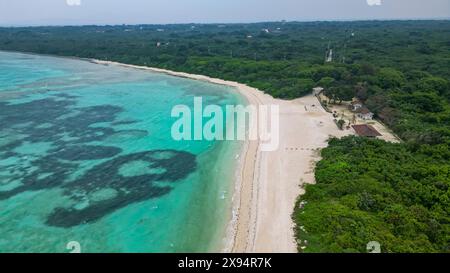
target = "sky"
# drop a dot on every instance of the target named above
(101, 12)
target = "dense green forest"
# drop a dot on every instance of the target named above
(370, 190)
(397, 194)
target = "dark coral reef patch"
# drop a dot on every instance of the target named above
(69, 130)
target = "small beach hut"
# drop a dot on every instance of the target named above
(317, 91)
(364, 113)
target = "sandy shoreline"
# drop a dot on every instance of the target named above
(270, 182)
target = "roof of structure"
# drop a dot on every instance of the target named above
(363, 110)
(366, 130)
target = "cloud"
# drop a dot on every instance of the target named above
(73, 2)
(374, 2)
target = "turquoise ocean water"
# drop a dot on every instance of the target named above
(86, 155)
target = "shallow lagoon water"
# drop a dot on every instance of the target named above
(86, 155)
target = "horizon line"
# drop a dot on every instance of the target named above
(229, 23)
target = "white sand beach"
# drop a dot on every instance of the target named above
(270, 182)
